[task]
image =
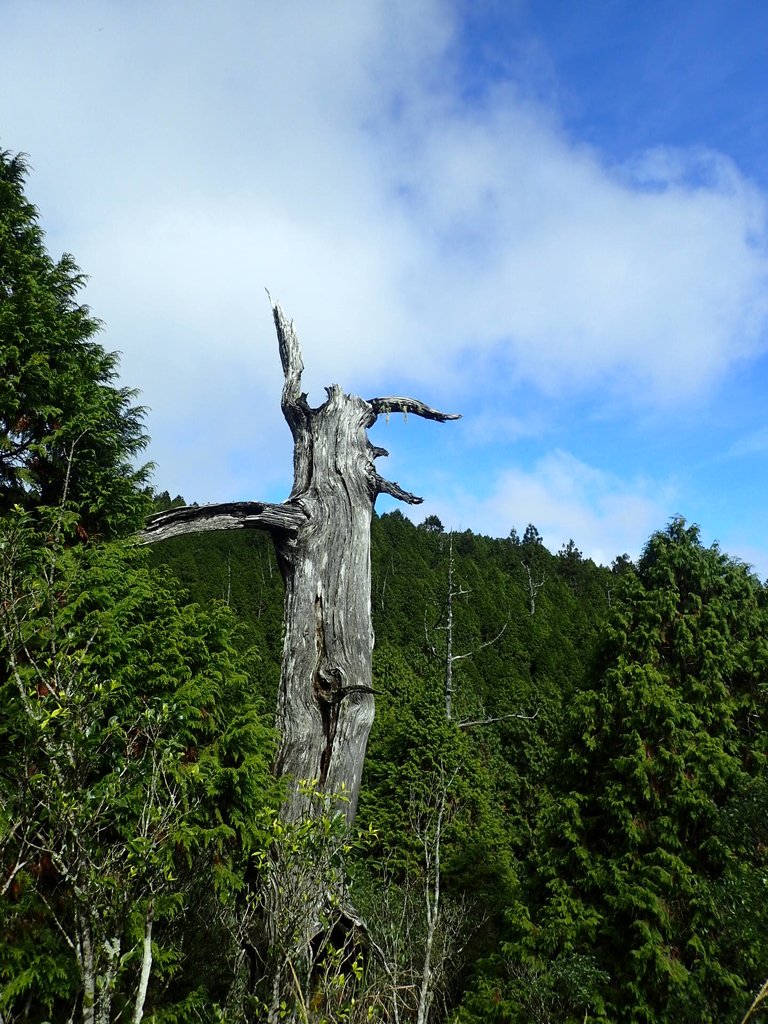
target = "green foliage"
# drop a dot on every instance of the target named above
(432, 524)
(513, 991)
(134, 767)
(238, 568)
(163, 501)
(298, 917)
(652, 840)
(66, 432)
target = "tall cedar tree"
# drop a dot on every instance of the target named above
(66, 432)
(654, 852)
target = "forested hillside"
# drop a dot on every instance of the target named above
(564, 808)
(608, 843)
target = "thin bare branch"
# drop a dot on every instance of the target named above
(17, 867)
(70, 460)
(487, 643)
(497, 718)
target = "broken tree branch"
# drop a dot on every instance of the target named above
(397, 403)
(231, 515)
(395, 490)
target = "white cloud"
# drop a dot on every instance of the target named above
(590, 276)
(565, 498)
(192, 154)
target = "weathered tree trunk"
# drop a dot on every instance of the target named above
(322, 538)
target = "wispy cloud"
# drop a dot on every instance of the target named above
(565, 498)
(753, 444)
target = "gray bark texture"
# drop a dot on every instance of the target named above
(322, 537)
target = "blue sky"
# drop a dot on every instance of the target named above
(549, 216)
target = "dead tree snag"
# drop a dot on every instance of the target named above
(322, 539)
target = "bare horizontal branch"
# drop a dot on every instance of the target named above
(497, 718)
(395, 491)
(230, 515)
(405, 405)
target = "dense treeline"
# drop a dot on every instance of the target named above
(564, 813)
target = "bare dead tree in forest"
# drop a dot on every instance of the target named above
(445, 625)
(321, 534)
(534, 586)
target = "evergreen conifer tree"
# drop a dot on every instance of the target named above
(67, 433)
(654, 849)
